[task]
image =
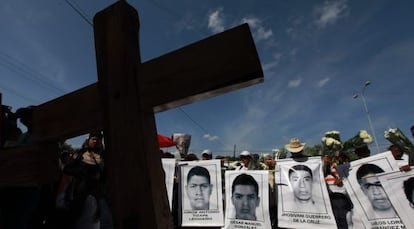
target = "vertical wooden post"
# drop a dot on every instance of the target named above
(132, 160)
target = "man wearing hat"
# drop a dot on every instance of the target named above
(295, 147)
(206, 155)
(245, 158)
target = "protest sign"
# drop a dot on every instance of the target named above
(371, 204)
(247, 199)
(201, 193)
(303, 199)
(399, 187)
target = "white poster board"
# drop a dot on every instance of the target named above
(395, 184)
(201, 200)
(168, 164)
(361, 187)
(247, 199)
(303, 199)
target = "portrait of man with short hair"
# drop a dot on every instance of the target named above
(199, 188)
(301, 179)
(247, 199)
(302, 193)
(200, 193)
(245, 196)
(373, 190)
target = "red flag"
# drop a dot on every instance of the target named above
(164, 141)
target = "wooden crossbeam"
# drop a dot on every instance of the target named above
(219, 64)
(123, 103)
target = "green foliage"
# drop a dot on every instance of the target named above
(315, 150)
(282, 154)
(65, 147)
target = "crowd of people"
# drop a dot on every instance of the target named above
(335, 169)
(82, 202)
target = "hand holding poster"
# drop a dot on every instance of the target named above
(371, 203)
(201, 193)
(247, 195)
(303, 200)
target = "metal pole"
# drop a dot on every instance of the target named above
(367, 83)
(234, 152)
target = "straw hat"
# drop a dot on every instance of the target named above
(295, 146)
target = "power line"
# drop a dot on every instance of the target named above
(81, 13)
(11, 90)
(86, 18)
(29, 73)
(198, 124)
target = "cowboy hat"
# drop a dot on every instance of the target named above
(295, 146)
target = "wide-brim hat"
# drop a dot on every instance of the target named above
(295, 146)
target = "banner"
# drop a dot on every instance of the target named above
(182, 143)
(371, 204)
(168, 164)
(247, 199)
(303, 199)
(399, 187)
(201, 193)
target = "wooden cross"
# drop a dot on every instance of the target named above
(123, 103)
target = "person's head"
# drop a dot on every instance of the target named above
(362, 151)
(94, 142)
(199, 188)
(269, 161)
(245, 196)
(191, 157)
(295, 147)
(371, 186)
(396, 151)
(245, 157)
(206, 155)
(409, 190)
(301, 178)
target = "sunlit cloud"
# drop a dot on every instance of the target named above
(259, 31)
(323, 82)
(216, 21)
(294, 83)
(330, 11)
(211, 137)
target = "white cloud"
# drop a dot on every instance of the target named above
(216, 21)
(294, 83)
(259, 31)
(322, 82)
(277, 57)
(210, 137)
(330, 12)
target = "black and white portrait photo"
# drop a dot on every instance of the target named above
(168, 164)
(247, 199)
(303, 200)
(371, 203)
(399, 187)
(201, 193)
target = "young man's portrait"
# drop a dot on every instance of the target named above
(245, 196)
(199, 188)
(373, 190)
(301, 179)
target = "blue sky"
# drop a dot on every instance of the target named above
(315, 55)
